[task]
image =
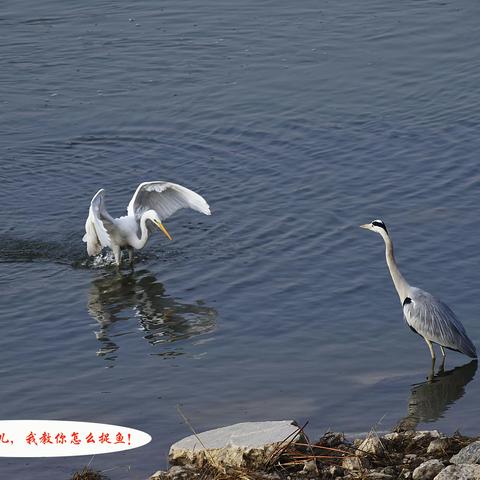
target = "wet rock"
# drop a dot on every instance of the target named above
(372, 445)
(459, 472)
(428, 470)
(247, 445)
(438, 446)
(468, 454)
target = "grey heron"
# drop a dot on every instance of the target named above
(151, 203)
(425, 314)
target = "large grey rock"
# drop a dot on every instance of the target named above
(428, 470)
(247, 444)
(468, 454)
(459, 472)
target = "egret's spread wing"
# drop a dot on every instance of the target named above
(435, 321)
(165, 198)
(98, 226)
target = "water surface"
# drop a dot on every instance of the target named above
(297, 122)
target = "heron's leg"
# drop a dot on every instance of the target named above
(432, 351)
(431, 375)
(444, 356)
(130, 256)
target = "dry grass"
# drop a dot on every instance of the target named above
(88, 474)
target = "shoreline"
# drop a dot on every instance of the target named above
(398, 455)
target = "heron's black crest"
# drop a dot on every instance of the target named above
(407, 301)
(379, 223)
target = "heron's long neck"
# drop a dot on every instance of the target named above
(400, 283)
(140, 242)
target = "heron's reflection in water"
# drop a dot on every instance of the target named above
(139, 295)
(430, 400)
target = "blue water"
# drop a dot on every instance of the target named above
(297, 122)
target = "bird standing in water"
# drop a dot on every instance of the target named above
(151, 203)
(424, 314)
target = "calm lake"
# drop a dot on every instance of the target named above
(297, 121)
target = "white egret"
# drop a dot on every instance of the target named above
(151, 203)
(424, 314)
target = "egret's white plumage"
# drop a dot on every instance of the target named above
(151, 203)
(425, 314)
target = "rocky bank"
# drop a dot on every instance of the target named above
(282, 451)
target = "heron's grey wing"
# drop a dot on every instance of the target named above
(98, 226)
(436, 322)
(165, 198)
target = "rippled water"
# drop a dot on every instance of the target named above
(298, 122)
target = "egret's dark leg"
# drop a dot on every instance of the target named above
(130, 256)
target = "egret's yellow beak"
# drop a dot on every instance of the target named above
(366, 225)
(163, 229)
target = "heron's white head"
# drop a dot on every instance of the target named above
(153, 217)
(376, 226)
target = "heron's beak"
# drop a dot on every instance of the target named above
(163, 229)
(366, 225)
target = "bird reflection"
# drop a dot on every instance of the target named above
(431, 399)
(139, 295)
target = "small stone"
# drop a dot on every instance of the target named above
(175, 473)
(428, 470)
(459, 472)
(352, 463)
(438, 446)
(389, 471)
(468, 454)
(372, 445)
(334, 471)
(332, 439)
(357, 442)
(421, 434)
(409, 457)
(378, 476)
(392, 436)
(159, 475)
(310, 467)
